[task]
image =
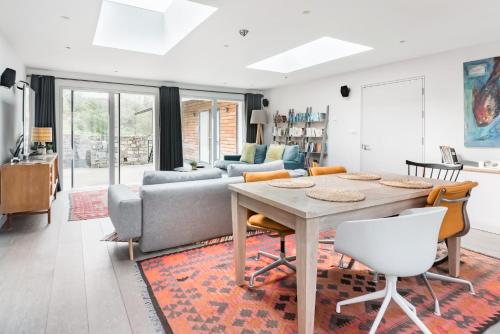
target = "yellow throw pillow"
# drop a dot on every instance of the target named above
(248, 153)
(274, 152)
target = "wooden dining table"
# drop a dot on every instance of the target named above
(308, 216)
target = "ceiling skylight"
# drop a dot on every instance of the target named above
(313, 53)
(148, 26)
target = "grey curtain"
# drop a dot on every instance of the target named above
(45, 110)
(170, 129)
(252, 102)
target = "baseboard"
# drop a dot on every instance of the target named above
(3, 219)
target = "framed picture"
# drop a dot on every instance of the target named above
(482, 103)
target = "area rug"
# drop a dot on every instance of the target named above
(91, 204)
(194, 291)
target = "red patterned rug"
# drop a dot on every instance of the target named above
(194, 291)
(92, 204)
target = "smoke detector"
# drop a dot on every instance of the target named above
(243, 32)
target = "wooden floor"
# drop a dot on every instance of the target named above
(62, 279)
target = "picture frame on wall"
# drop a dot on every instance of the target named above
(482, 103)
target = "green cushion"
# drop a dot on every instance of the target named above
(248, 153)
(274, 152)
(291, 152)
(260, 154)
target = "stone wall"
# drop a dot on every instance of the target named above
(228, 132)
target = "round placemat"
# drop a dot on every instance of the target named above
(335, 195)
(291, 183)
(360, 176)
(409, 184)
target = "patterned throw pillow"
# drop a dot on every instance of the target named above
(274, 152)
(248, 153)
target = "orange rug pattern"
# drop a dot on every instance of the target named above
(194, 292)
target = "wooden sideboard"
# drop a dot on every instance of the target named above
(28, 187)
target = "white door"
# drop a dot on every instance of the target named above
(392, 125)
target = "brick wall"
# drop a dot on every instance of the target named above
(190, 127)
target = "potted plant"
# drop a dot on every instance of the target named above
(194, 165)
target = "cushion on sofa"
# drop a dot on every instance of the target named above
(222, 164)
(260, 153)
(274, 152)
(291, 153)
(238, 170)
(248, 153)
(159, 177)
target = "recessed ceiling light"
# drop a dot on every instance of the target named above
(319, 51)
(64, 17)
(226, 45)
(116, 71)
(68, 47)
(148, 26)
(402, 41)
(305, 12)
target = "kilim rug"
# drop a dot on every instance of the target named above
(193, 291)
(91, 204)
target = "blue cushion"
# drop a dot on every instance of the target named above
(291, 152)
(260, 154)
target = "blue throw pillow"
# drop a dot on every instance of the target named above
(260, 154)
(291, 153)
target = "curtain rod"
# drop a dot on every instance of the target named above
(149, 86)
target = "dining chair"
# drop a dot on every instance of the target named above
(455, 224)
(434, 171)
(258, 221)
(326, 170)
(401, 246)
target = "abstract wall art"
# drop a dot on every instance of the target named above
(482, 102)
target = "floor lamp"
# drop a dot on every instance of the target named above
(259, 117)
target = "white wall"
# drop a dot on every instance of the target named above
(444, 103)
(11, 115)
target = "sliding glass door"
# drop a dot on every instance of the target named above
(211, 128)
(108, 137)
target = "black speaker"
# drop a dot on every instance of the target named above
(344, 91)
(8, 78)
(265, 103)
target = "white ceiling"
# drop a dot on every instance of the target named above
(40, 36)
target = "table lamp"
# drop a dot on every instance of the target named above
(259, 117)
(41, 136)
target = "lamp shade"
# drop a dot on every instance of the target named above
(258, 117)
(41, 135)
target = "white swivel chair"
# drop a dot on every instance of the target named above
(401, 246)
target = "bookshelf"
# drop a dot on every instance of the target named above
(308, 130)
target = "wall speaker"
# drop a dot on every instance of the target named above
(344, 91)
(8, 78)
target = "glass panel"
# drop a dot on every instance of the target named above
(227, 121)
(67, 146)
(136, 136)
(90, 138)
(194, 110)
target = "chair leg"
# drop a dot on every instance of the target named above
(266, 254)
(437, 309)
(413, 316)
(131, 249)
(452, 280)
(381, 312)
(371, 296)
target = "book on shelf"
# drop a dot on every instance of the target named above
(448, 155)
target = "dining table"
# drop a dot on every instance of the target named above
(308, 216)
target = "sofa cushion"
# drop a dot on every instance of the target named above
(248, 153)
(222, 164)
(159, 177)
(291, 153)
(238, 170)
(260, 153)
(274, 152)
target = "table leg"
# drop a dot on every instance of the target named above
(454, 256)
(307, 234)
(239, 218)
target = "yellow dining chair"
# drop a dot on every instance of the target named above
(259, 222)
(455, 224)
(316, 171)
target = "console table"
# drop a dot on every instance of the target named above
(28, 187)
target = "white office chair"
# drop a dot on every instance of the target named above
(401, 246)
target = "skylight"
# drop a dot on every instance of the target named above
(313, 53)
(148, 26)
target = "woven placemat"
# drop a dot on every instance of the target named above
(360, 176)
(335, 195)
(409, 184)
(292, 184)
